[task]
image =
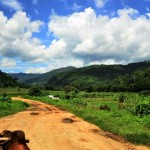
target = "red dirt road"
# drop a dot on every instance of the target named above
(48, 129)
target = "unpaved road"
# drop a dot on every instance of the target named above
(44, 126)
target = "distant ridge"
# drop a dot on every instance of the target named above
(39, 79)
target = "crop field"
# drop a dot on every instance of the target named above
(118, 113)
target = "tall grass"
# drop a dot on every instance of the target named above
(9, 108)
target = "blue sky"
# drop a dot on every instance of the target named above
(37, 36)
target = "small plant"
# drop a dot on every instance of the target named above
(104, 107)
(81, 103)
(35, 91)
(5, 98)
(122, 98)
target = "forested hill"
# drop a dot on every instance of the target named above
(131, 77)
(7, 81)
(43, 78)
(39, 79)
(23, 76)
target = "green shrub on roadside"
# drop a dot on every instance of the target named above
(35, 91)
(5, 98)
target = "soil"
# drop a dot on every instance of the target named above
(50, 128)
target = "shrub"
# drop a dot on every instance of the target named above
(70, 92)
(104, 107)
(145, 93)
(122, 98)
(142, 109)
(5, 98)
(35, 91)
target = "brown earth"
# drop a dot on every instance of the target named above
(50, 128)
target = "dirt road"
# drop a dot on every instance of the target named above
(50, 128)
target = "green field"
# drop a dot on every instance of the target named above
(13, 91)
(118, 118)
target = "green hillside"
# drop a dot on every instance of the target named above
(23, 76)
(7, 81)
(105, 78)
(39, 79)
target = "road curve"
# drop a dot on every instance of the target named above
(50, 128)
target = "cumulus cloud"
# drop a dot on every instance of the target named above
(7, 63)
(80, 39)
(95, 38)
(16, 37)
(12, 4)
(55, 64)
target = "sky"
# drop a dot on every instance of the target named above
(37, 36)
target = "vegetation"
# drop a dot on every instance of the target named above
(70, 92)
(8, 107)
(39, 79)
(7, 81)
(114, 112)
(123, 113)
(35, 91)
(13, 91)
(102, 78)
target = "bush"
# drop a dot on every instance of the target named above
(104, 107)
(145, 93)
(70, 92)
(143, 109)
(122, 98)
(35, 91)
(5, 98)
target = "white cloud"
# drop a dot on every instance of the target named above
(95, 38)
(7, 63)
(100, 3)
(16, 37)
(63, 62)
(79, 39)
(13, 4)
(17, 41)
(76, 7)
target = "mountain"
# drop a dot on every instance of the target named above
(7, 81)
(104, 77)
(39, 79)
(23, 76)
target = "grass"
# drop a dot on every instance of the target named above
(13, 91)
(9, 108)
(122, 122)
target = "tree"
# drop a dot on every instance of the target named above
(35, 91)
(70, 92)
